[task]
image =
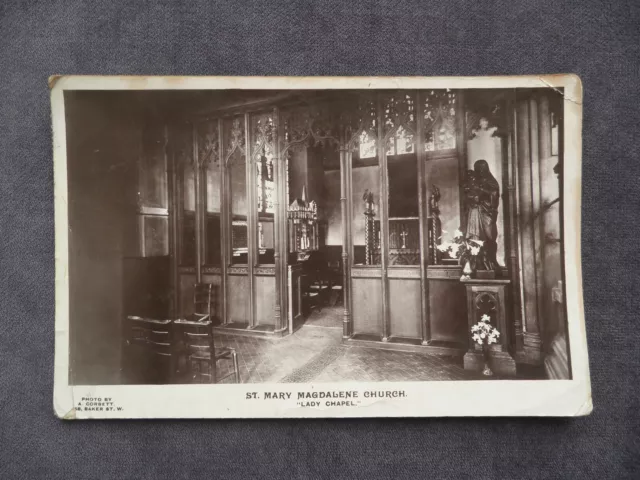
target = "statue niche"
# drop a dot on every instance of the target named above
(482, 198)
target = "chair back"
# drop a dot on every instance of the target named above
(148, 351)
(204, 298)
(194, 340)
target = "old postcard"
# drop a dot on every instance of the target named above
(236, 247)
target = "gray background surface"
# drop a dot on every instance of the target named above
(597, 40)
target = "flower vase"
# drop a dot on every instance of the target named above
(486, 350)
(466, 271)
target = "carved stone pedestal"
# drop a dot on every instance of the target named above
(488, 297)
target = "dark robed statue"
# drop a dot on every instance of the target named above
(482, 197)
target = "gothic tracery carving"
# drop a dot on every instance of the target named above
(361, 117)
(234, 136)
(310, 125)
(264, 132)
(439, 119)
(208, 144)
(398, 111)
(486, 303)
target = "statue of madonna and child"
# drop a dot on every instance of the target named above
(482, 198)
(475, 243)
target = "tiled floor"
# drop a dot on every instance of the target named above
(327, 317)
(315, 353)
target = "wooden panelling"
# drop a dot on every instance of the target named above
(397, 272)
(294, 288)
(405, 307)
(153, 168)
(238, 303)
(146, 287)
(448, 311)
(367, 305)
(265, 299)
(187, 281)
(155, 235)
(444, 272)
(369, 272)
(217, 304)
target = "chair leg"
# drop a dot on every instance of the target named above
(234, 356)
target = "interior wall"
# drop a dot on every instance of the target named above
(540, 232)
(315, 180)
(332, 208)
(305, 170)
(102, 147)
(298, 173)
(552, 258)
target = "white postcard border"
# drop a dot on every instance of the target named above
(443, 398)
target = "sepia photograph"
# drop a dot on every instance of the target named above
(309, 247)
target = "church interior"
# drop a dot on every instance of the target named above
(310, 235)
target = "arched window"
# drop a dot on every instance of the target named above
(367, 147)
(265, 182)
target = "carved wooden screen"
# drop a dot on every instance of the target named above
(399, 128)
(441, 119)
(209, 161)
(234, 145)
(306, 128)
(362, 131)
(262, 157)
(181, 140)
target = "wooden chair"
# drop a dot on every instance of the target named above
(147, 353)
(194, 341)
(205, 296)
(319, 291)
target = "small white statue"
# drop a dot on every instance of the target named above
(484, 130)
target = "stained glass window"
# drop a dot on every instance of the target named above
(367, 147)
(262, 152)
(400, 143)
(439, 120)
(235, 158)
(265, 183)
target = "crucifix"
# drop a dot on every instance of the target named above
(404, 235)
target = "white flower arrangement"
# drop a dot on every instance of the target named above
(461, 247)
(483, 333)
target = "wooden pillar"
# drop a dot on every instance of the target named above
(349, 245)
(252, 239)
(512, 230)
(384, 221)
(172, 180)
(544, 126)
(197, 173)
(425, 325)
(347, 328)
(536, 205)
(544, 154)
(178, 153)
(461, 150)
(225, 241)
(527, 204)
(279, 229)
